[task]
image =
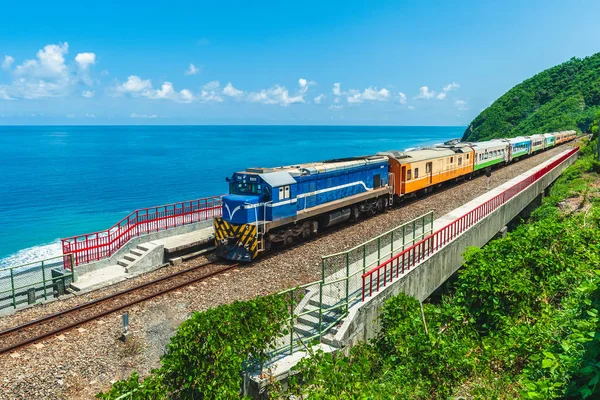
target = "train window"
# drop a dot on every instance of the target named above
(416, 173)
(408, 175)
(459, 160)
(427, 168)
(467, 156)
(451, 160)
(243, 188)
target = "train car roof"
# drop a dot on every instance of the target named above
(490, 144)
(418, 155)
(537, 135)
(547, 135)
(518, 139)
(318, 167)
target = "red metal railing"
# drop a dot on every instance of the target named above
(99, 245)
(384, 273)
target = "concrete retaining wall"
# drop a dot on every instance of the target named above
(112, 260)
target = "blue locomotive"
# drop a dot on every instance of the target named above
(268, 206)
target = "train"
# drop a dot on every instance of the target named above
(281, 205)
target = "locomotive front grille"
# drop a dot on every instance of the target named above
(235, 242)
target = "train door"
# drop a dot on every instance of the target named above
(429, 171)
(403, 179)
(312, 189)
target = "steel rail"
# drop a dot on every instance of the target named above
(64, 313)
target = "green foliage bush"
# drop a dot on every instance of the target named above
(521, 320)
(563, 97)
(207, 355)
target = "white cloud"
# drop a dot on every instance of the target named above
(425, 93)
(210, 96)
(304, 84)
(137, 86)
(370, 93)
(461, 105)
(134, 84)
(192, 70)
(335, 107)
(411, 107)
(46, 76)
(50, 62)
(8, 62)
(87, 93)
(167, 92)
(337, 91)
(319, 98)
(4, 93)
(275, 95)
(280, 95)
(151, 116)
(186, 96)
(212, 85)
(402, 97)
(85, 60)
(89, 115)
(451, 86)
(230, 91)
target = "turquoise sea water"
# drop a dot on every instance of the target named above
(60, 181)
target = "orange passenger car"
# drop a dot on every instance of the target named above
(423, 169)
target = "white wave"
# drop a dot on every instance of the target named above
(32, 254)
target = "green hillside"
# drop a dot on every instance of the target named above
(563, 97)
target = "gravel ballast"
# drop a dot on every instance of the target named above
(83, 361)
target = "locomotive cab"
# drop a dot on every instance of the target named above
(254, 199)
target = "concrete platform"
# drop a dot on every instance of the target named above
(100, 278)
(144, 257)
(179, 245)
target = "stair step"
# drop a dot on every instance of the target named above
(329, 339)
(124, 263)
(144, 246)
(138, 252)
(328, 316)
(305, 330)
(130, 257)
(328, 301)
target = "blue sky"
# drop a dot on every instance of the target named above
(277, 62)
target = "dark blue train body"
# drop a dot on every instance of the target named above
(262, 199)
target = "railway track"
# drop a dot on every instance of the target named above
(22, 335)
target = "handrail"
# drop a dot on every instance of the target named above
(102, 244)
(376, 237)
(414, 254)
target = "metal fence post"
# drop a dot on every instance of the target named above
(431, 221)
(44, 279)
(12, 285)
(347, 279)
(364, 258)
(73, 277)
(292, 322)
(320, 308)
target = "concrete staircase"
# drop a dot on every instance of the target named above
(307, 325)
(132, 261)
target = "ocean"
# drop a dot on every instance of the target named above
(61, 181)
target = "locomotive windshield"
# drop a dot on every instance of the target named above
(245, 188)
